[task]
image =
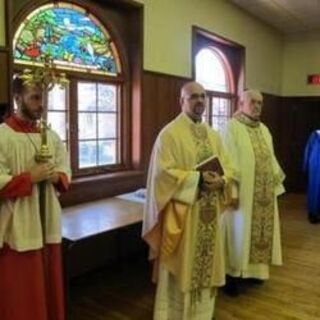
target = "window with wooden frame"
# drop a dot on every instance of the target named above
(88, 113)
(217, 65)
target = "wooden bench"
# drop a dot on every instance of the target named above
(101, 232)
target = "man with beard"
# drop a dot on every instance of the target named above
(31, 284)
(182, 213)
(252, 228)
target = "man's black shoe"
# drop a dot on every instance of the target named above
(232, 286)
(314, 219)
(254, 281)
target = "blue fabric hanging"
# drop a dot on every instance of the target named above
(311, 165)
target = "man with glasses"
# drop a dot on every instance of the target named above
(182, 213)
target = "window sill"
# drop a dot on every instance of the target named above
(90, 188)
(107, 176)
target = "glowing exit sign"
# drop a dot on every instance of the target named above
(314, 79)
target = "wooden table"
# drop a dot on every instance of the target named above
(91, 219)
(100, 233)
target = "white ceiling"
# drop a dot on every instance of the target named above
(289, 16)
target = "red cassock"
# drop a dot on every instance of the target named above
(31, 282)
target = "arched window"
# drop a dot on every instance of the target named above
(210, 71)
(213, 71)
(75, 39)
(86, 114)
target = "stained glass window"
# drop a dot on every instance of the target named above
(74, 38)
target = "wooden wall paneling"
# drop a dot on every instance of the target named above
(271, 117)
(291, 121)
(4, 83)
(160, 105)
(93, 188)
(299, 116)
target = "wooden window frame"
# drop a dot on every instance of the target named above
(124, 152)
(232, 56)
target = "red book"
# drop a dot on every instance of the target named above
(211, 164)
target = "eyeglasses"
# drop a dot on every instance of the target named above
(196, 96)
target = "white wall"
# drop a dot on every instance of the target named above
(301, 58)
(168, 38)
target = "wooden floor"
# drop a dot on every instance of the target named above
(292, 293)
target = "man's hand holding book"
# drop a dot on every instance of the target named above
(211, 173)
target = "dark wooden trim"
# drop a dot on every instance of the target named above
(78, 74)
(7, 9)
(136, 97)
(216, 37)
(127, 4)
(92, 188)
(232, 52)
(305, 98)
(81, 76)
(166, 75)
(5, 82)
(8, 12)
(221, 94)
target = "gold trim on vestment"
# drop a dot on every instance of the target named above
(207, 220)
(263, 200)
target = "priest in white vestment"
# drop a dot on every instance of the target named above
(252, 228)
(182, 213)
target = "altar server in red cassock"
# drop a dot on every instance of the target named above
(31, 282)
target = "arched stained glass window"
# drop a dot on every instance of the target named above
(87, 113)
(74, 38)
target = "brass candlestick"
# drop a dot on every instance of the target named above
(46, 78)
(44, 154)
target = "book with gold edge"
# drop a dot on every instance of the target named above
(211, 164)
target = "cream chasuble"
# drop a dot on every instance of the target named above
(181, 224)
(252, 233)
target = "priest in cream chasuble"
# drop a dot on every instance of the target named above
(252, 228)
(183, 213)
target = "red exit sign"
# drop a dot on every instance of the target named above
(314, 79)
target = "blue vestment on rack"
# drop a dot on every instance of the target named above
(311, 166)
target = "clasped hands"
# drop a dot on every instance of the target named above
(211, 181)
(44, 171)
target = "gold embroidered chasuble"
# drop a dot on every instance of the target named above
(185, 236)
(207, 223)
(263, 206)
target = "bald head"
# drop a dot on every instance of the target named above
(251, 103)
(191, 87)
(192, 100)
